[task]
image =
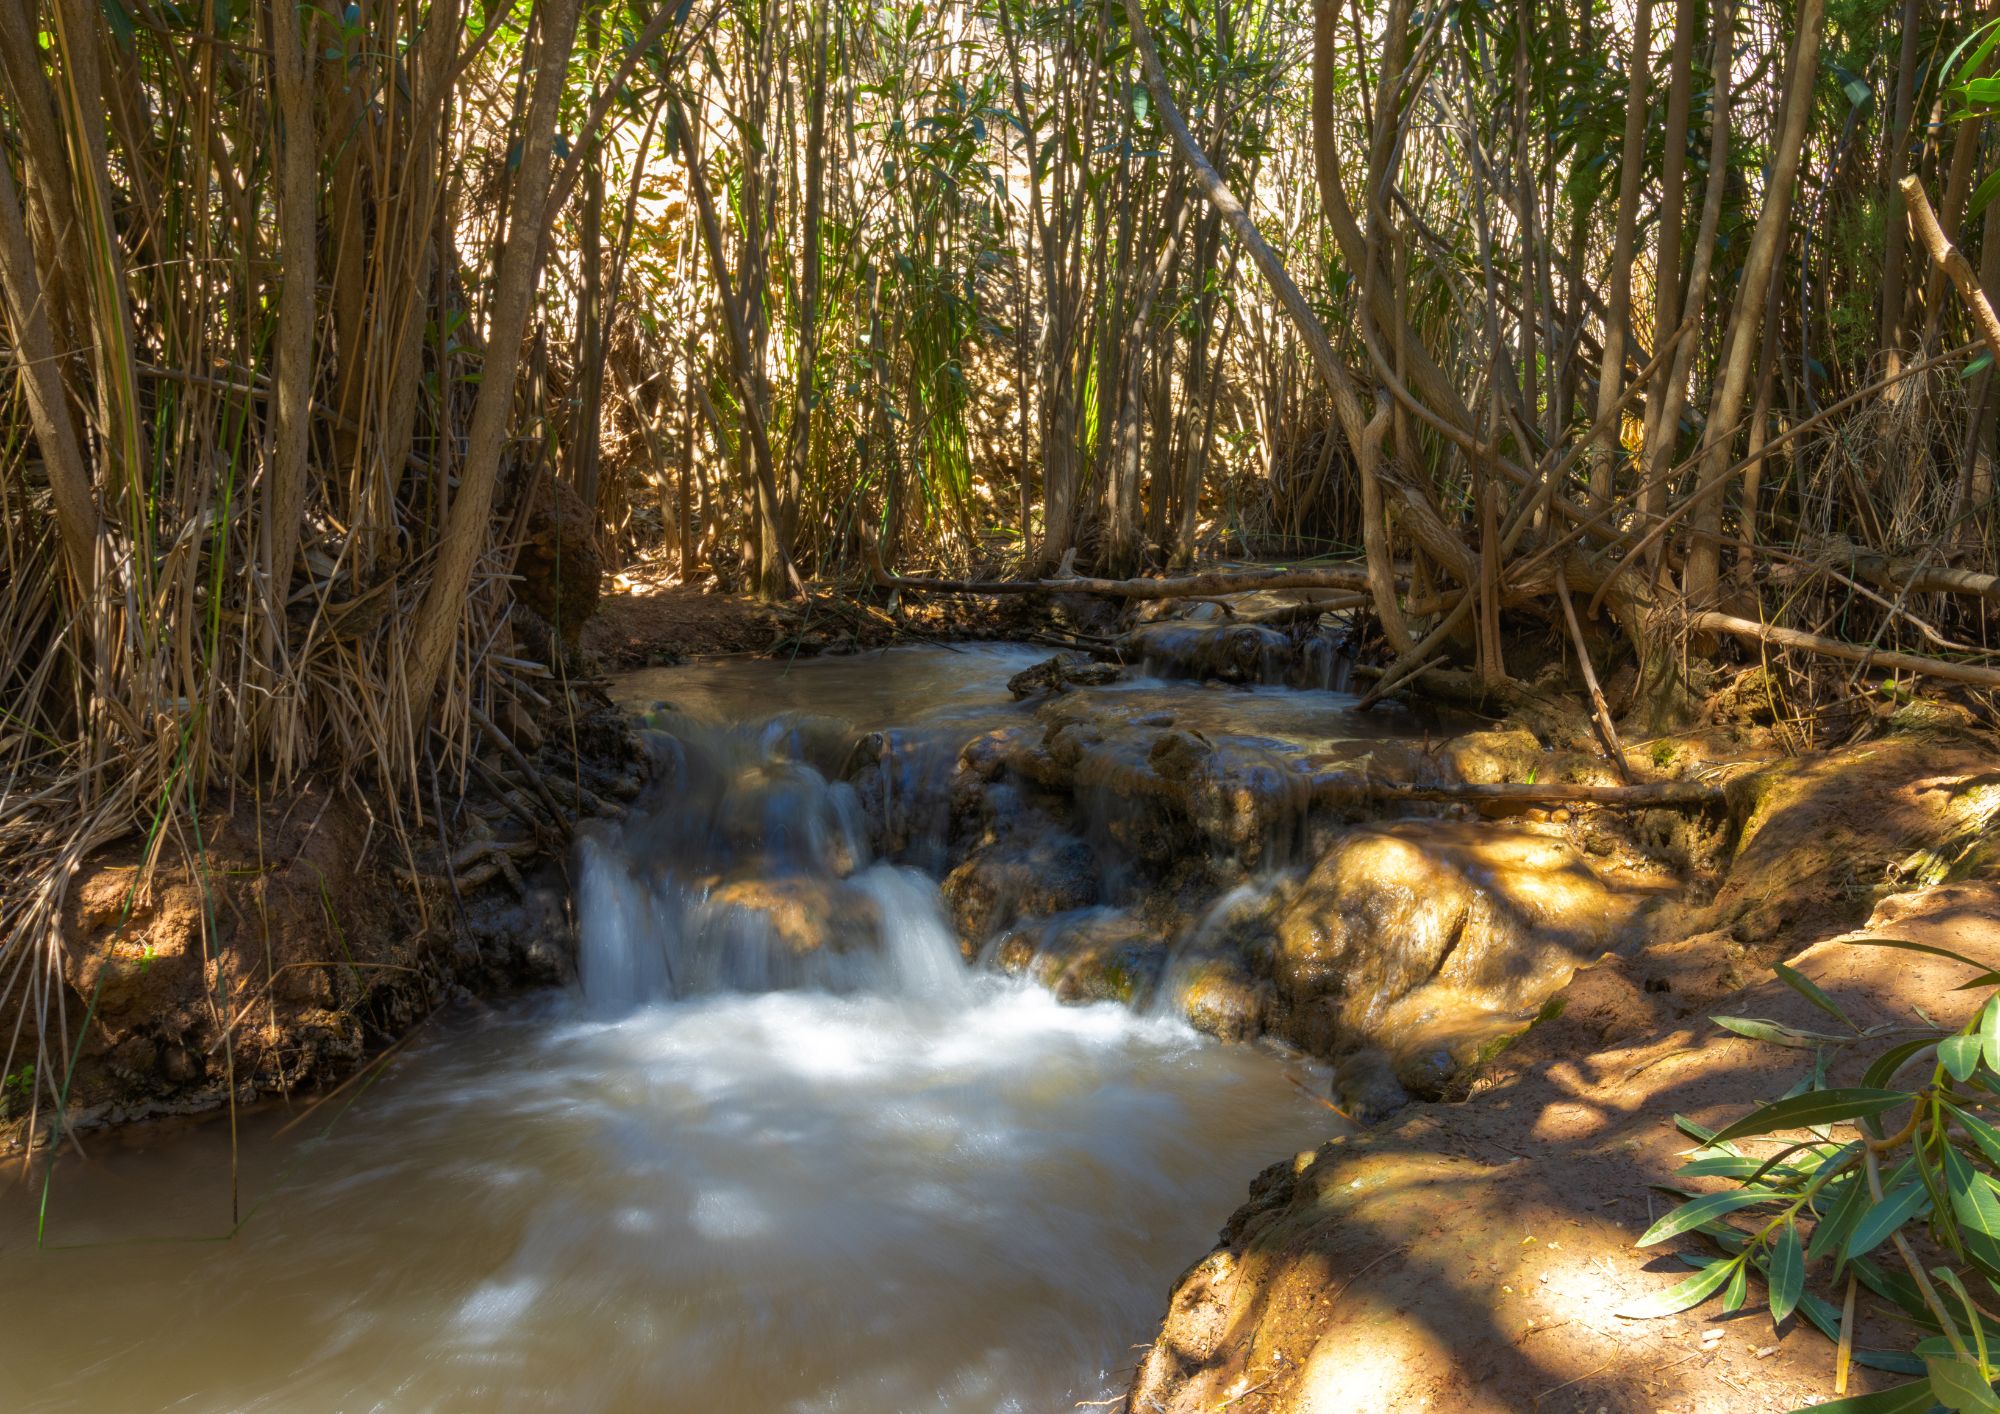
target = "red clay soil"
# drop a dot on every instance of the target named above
(1471, 1256)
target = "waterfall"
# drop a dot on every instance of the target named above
(752, 871)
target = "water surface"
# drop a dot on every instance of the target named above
(721, 1175)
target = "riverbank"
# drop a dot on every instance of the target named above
(1470, 1256)
(1207, 829)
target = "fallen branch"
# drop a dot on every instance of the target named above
(1193, 586)
(1606, 728)
(1918, 577)
(1421, 657)
(521, 765)
(1712, 622)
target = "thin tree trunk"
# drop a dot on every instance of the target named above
(1894, 246)
(775, 569)
(298, 253)
(587, 379)
(1746, 322)
(1663, 421)
(1611, 368)
(77, 518)
(468, 522)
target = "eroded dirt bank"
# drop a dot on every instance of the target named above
(275, 946)
(1469, 1256)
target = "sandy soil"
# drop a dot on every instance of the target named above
(1470, 1256)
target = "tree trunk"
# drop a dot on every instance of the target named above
(467, 528)
(1611, 368)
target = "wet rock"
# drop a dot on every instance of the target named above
(1217, 774)
(1365, 1085)
(1416, 925)
(1060, 674)
(1494, 757)
(1092, 955)
(1220, 996)
(1427, 1069)
(801, 914)
(1240, 653)
(1032, 873)
(789, 813)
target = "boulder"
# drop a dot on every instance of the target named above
(1031, 873)
(798, 914)
(1090, 955)
(1437, 928)
(1222, 997)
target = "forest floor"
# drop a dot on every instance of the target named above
(645, 619)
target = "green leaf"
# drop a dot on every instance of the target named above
(1703, 1133)
(1832, 1232)
(1705, 1209)
(1903, 943)
(1982, 39)
(1885, 1217)
(1739, 1289)
(1983, 194)
(1721, 1166)
(1777, 1034)
(1983, 1134)
(1959, 1055)
(1894, 1059)
(1787, 1272)
(1808, 989)
(1903, 1399)
(1815, 1107)
(1897, 1289)
(1960, 1384)
(1682, 1294)
(1989, 1032)
(1825, 1315)
(119, 20)
(1972, 1197)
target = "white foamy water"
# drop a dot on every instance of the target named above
(727, 1173)
(786, 1201)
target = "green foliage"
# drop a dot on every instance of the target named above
(17, 1091)
(1820, 1212)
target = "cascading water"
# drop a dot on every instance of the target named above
(755, 874)
(782, 1150)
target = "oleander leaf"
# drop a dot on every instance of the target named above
(1814, 1108)
(1705, 1209)
(1787, 1274)
(1691, 1291)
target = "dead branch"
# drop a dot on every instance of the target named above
(1194, 586)
(1712, 622)
(1951, 261)
(1605, 726)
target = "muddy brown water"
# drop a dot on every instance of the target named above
(721, 1174)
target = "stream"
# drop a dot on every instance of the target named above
(781, 1149)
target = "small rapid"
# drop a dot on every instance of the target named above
(783, 1147)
